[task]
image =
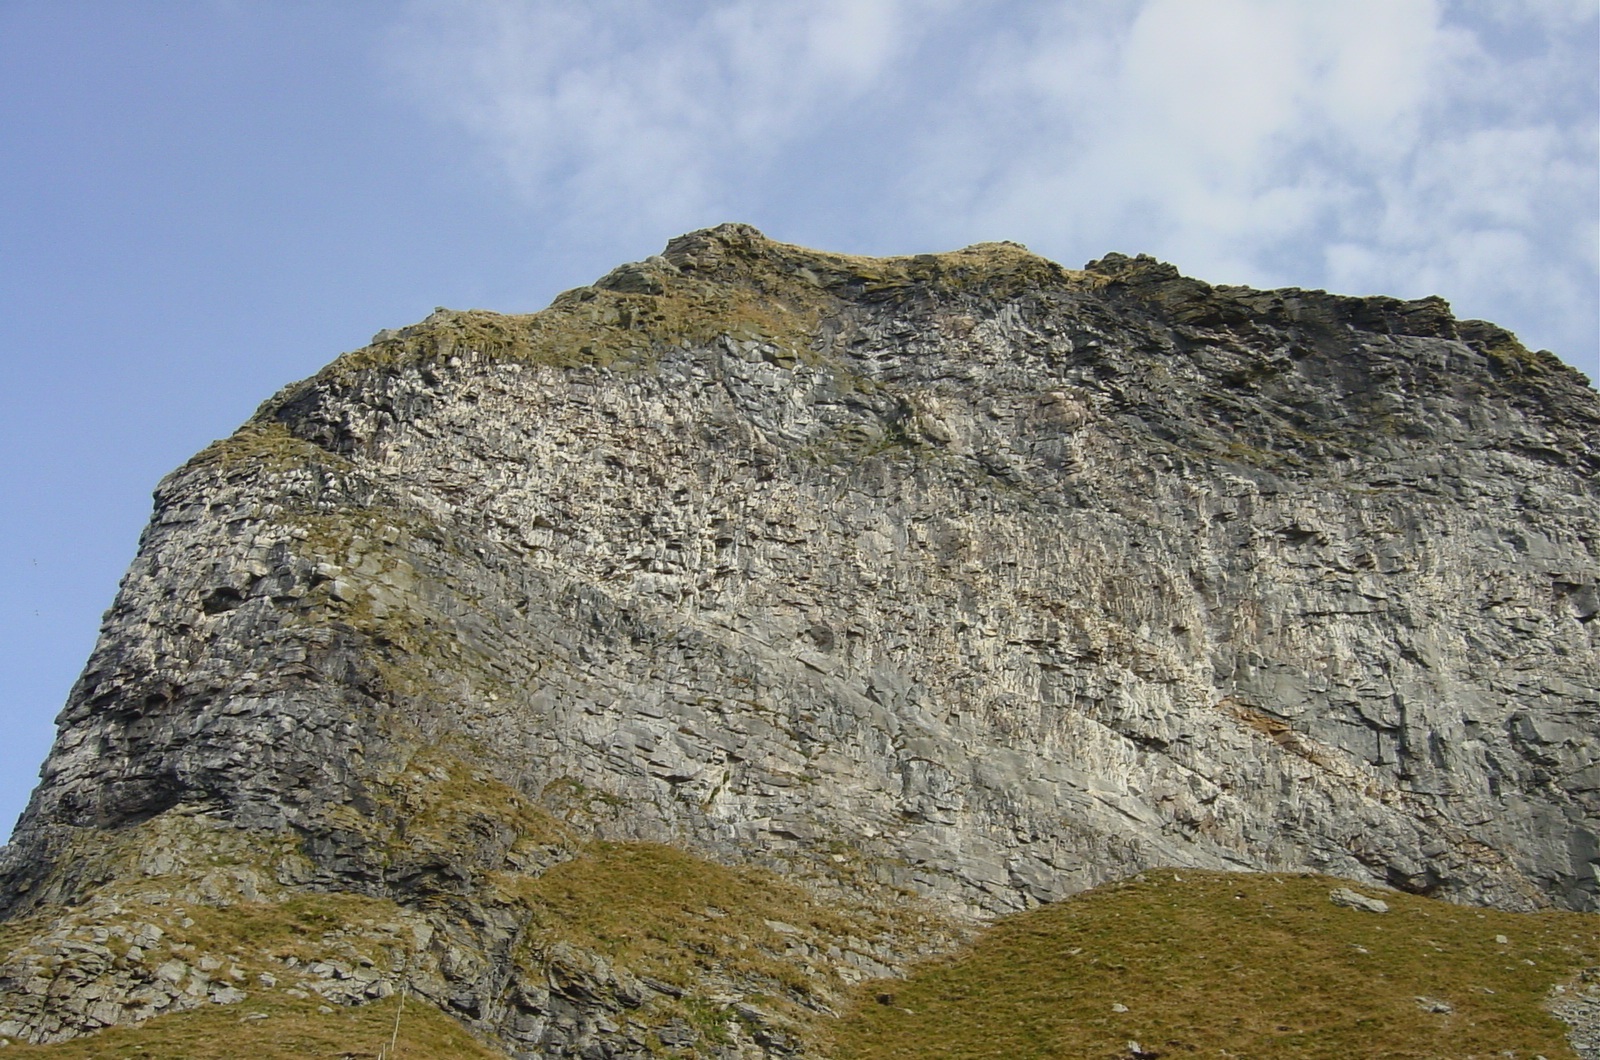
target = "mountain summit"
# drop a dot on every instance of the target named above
(782, 613)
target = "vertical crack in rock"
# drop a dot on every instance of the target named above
(954, 583)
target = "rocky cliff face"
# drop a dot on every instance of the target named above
(962, 579)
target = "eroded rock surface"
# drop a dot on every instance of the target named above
(988, 579)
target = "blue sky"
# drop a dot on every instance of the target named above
(203, 200)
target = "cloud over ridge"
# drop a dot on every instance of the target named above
(1399, 146)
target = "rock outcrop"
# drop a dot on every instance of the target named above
(964, 577)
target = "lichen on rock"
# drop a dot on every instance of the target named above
(939, 586)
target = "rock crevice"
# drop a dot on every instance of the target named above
(989, 579)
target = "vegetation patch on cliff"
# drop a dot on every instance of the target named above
(726, 282)
(265, 445)
(1189, 963)
(723, 938)
(279, 1027)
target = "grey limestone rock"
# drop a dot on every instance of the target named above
(1356, 900)
(996, 578)
(1577, 1004)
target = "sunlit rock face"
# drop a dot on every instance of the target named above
(985, 578)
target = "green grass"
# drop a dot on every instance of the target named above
(265, 444)
(439, 809)
(1219, 964)
(1508, 357)
(248, 939)
(660, 912)
(647, 909)
(719, 935)
(1204, 964)
(291, 1030)
(770, 292)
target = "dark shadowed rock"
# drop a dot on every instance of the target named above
(985, 579)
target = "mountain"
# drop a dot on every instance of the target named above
(642, 674)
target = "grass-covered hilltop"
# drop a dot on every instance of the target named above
(768, 653)
(1178, 963)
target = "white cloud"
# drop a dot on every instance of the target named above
(644, 113)
(1406, 146)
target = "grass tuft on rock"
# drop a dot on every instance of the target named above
(273, 1026)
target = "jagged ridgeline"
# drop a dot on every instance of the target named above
(641, 676)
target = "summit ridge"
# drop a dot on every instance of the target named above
(942, 586)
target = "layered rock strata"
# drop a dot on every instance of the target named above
(986, 579)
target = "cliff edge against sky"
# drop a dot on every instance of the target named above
(944, 586)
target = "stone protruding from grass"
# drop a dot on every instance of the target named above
(1191, 963)
(1356, 900)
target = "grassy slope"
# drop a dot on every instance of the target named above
(275, 1027)
(1219, 964)
(1206, 964)
(646, 908)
